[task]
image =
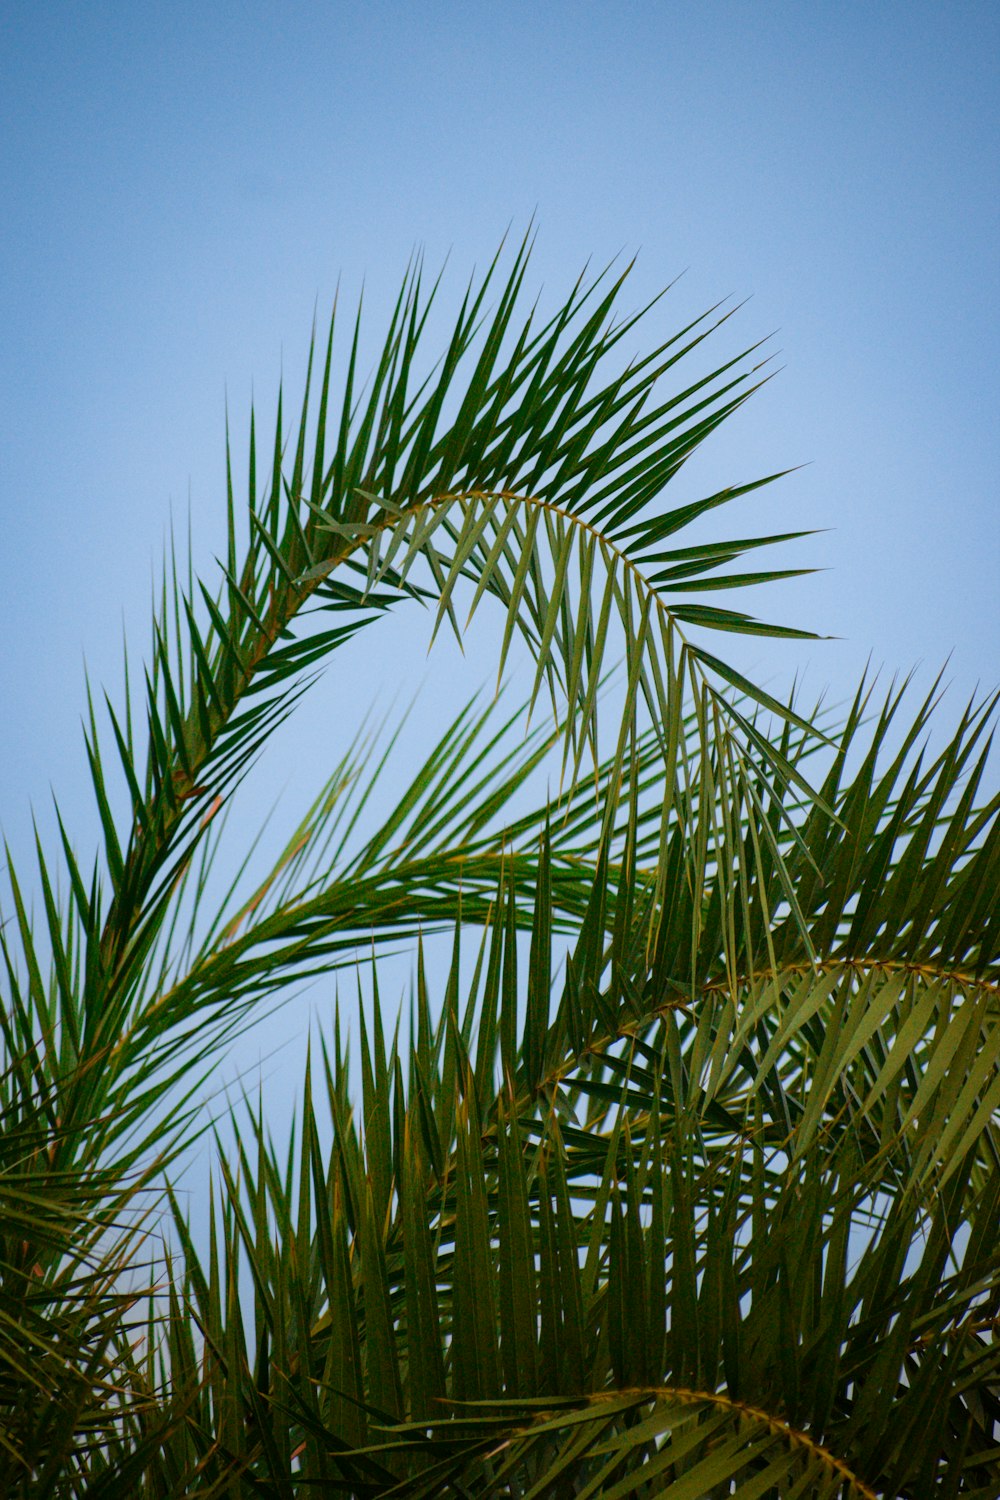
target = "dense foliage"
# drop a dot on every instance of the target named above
(682, 1177)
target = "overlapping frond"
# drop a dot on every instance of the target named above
(493, 1282)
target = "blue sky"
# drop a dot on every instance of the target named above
(183, 183)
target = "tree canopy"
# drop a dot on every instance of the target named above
(681, 1177)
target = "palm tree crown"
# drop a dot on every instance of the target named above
(688, 1182)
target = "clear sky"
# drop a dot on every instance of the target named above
(182, 183)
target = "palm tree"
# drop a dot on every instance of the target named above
(685, 1180)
